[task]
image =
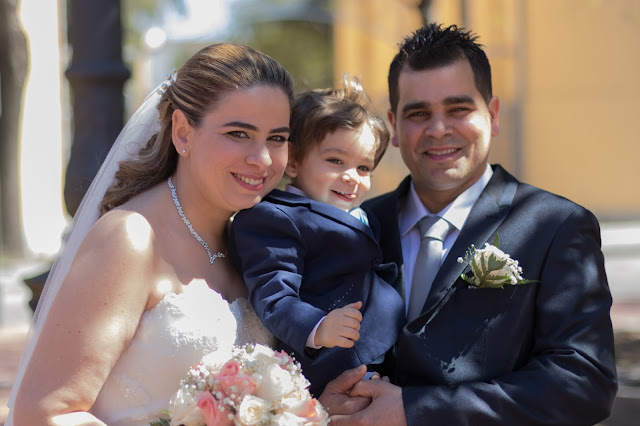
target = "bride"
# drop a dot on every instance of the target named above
(141, 291)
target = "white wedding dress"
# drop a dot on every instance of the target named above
(171, 337)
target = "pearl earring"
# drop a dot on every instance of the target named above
(184, 151)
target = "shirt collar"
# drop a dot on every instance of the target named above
(455, 213)
(292, 189)
(356, 212)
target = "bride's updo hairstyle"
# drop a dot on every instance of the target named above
(202, 81)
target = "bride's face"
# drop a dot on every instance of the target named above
(239, 153)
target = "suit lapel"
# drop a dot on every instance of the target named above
(485, 217)
(323, 209)
(386, 208)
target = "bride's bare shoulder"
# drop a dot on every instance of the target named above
(125, 231)
(129, 228)
(125, 239)
(130, 242)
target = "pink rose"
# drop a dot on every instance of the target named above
(308, 409)
(211, 411)
(282, 355)
(239, 385)
(231, 368)
(301, 407)
(316, 413)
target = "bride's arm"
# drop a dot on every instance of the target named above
(90, 322)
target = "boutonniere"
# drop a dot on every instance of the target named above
(491, 267)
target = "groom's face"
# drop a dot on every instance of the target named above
(443, 128)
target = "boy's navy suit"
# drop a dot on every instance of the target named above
(301, 259)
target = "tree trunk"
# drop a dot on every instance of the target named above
(13, 71)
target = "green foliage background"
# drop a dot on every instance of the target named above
(297, 33)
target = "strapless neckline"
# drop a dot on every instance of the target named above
(171, 337)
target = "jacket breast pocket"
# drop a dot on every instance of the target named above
(507, 317)
(480, 332)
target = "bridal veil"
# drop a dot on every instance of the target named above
(135, 134)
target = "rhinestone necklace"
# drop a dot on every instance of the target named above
(174, 195)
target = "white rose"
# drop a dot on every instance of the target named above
(184, 411)
(263, 354)
(216, 359)
(300, 405)
(252, 411)
(276, 383)
(287, 419)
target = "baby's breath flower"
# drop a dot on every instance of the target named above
(252, 391)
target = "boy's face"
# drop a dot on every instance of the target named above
(337, 171)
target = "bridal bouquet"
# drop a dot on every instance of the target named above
(256, 386)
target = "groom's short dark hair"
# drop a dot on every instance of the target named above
(433, 46)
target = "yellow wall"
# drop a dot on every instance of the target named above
(366, 36)
(583, 89)
(567, 73)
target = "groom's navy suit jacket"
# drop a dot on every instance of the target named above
(539, 353)
(301, 259)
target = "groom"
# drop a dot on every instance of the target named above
(536, 353)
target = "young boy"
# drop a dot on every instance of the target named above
(309, 256)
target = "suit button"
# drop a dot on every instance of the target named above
(376, 262)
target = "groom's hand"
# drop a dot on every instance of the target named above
(341, 327)
(386, 406)
(336, 398)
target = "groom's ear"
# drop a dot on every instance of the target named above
(494, 108)
(180, 130)
(394, 135)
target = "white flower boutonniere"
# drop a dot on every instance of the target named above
(491, 267)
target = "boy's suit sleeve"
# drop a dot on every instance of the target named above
(268, 247)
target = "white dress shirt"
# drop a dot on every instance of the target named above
(456, 213)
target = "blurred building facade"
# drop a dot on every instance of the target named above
(565, 72)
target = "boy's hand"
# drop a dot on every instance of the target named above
(341, 327)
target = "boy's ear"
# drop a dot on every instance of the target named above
(292, 165)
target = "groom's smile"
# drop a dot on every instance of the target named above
(443, 128)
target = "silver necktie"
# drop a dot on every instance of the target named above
(433, 231)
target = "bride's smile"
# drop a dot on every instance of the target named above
(139, 295)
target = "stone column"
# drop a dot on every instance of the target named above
(96, 76)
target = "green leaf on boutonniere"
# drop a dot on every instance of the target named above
(491, 267)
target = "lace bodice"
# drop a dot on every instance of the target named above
(171, 337)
